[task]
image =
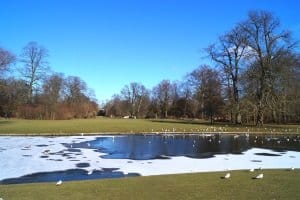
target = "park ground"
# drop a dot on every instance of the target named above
(276, 184)
(129, 126)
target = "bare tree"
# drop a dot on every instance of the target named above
(116, 107)
(208, 91)
(135, 95)
(75, 89)
(283, 92)
(12, 95)
(163, 93)
(267, 44)
(195, 78)
(186, 97)
(230, 53)
(6, 59)
(52, 94)
(77, 97)
(34, 58)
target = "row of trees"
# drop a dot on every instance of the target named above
(256, 78)
(40, 93)
(199, 96)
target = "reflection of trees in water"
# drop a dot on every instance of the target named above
(141, 147)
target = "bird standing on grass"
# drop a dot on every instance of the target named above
(227, 176)
(260, 176)
(59, 183)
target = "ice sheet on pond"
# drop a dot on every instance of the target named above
(21, 156)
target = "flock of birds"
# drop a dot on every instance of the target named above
(227, 175)
(220, 129)
(259, 176)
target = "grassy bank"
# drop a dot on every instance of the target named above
(105, 125)
(276, 184)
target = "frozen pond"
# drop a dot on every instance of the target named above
(46, 159)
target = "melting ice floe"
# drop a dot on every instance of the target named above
(21, 156)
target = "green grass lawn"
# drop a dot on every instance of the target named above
(276, 184)
(106, 125)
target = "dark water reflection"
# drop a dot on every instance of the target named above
(144, 147)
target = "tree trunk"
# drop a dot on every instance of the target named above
(260, 115)
(237, 114)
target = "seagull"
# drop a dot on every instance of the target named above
(292, 168)
(46, 152)
(59, 183)
(260, 176)
(90, 172)
(227, 176)
(251, 170)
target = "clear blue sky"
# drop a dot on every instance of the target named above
(110, 43)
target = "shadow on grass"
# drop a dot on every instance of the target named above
(6, 122)
(178, 121)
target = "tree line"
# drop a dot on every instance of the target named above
(39, 93)
(255, 78)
